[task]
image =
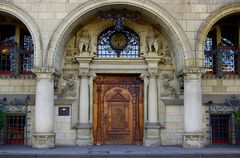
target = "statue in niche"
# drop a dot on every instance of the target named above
(84, 42)
(152, 42)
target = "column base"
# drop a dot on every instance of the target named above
(193, 140)
(84, 134)
(43, 140)
(152, 137)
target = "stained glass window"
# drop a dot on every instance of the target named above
(15, 58)
(222, 58)
(124, 43)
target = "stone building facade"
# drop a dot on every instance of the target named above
(96, 63)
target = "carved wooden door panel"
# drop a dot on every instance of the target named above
(118, 111)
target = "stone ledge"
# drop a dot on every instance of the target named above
(155, 125)
(83, 125)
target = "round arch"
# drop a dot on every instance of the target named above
(28, 21)
(179, 41)
(218, 14)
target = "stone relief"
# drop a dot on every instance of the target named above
(168, 88)
(84, 42)
(70, 55)
(67, 85)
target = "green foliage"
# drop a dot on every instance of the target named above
(2, 118)
(238, 117)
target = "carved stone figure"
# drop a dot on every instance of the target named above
(152, 42)
(66, 86)
(84, 42)
(166, 85)
(167, 57)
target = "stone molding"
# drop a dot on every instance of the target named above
(153, 125)
(79, 125)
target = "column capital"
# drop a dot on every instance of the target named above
(45, 72)
(192, 73)
(84, 74)
(153, 74)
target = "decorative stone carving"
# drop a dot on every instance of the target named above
(152, 42)
(70, 55)
(167, 56)
(84, 42)
(181, 84)
(67, 86)
(168, 89)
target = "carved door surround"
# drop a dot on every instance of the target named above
(118, 109)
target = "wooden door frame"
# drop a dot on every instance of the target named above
(139, 113)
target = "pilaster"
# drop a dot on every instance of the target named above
(152, 124)
(84, 125)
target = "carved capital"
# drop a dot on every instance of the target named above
(45, 72)
(84, 74)
(193, 73)
(153, 74)
(143, 76)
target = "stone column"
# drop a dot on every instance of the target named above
(193, 128)
(84, 126)
(152, 99)
(44, 107)
(152, 126)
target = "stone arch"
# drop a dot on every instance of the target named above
(28, 21)
(180, 43)
(207, 25)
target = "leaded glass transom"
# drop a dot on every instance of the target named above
(124, 43)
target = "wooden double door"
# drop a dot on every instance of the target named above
(118, 109)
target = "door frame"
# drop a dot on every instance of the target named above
(96, 110)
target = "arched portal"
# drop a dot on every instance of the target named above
(178, 40)
(157, 42)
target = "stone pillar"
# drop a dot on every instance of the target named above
(152, 125)
(84, 126)
(44, 136)
(152, 99)
(193, 128)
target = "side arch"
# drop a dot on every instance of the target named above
(29, 22)
(218, 14)
(179, 42)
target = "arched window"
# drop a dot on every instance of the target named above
(113, 43)
(221, 47)
(16, 50)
